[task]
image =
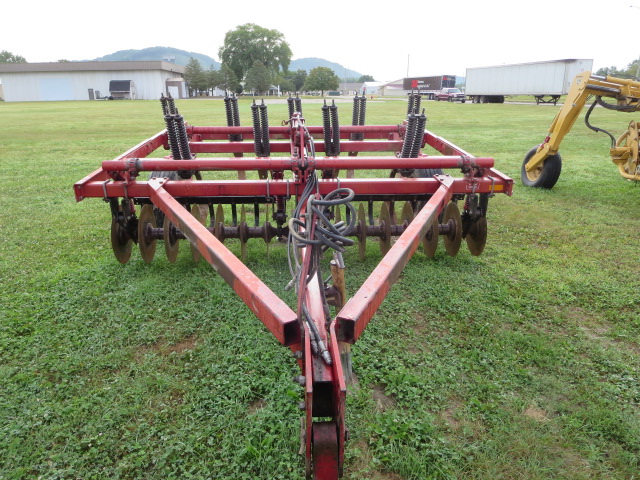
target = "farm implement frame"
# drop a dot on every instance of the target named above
(308, 180)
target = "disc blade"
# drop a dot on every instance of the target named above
(171, 246)
(384, 222)
(477, 237)
(219, 224)
(199, 212)
(430, 240)
(121, 243)
(146, 244)
(243, 233)
(362, 232)
(407, 213)
(453, 219)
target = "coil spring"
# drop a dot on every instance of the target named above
(182, 137)
(409, 136)
(413, 104)
(264, 120)
(228, 111)
(415, 101)
(335, 125)
(421, 121)
(356, 111)
(298, 102)
(236, 117)
(163, 104)
(173, 139)
(291, 105)
(257, 132)
(362, 115)
(171, 106)
(359, 114)
(326, 129)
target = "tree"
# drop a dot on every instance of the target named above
(630, 71)
(8, 57)
(299, 77)
(249, 43)
(321, 78)
(365, 78)
(195, 76)
(214, 78)
(285, 83)
(258, 78)
(228, 80)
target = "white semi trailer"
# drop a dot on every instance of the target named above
(546, 81)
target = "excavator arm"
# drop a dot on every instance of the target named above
(542, 165)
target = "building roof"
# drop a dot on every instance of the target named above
(89, 66)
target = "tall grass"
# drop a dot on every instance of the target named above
(520, 363)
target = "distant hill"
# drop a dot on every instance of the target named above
(177, 56)
(312, 62)
(181, 57)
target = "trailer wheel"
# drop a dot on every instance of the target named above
(546, 175)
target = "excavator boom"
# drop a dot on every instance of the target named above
(542, 164)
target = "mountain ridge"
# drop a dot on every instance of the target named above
(181, 57)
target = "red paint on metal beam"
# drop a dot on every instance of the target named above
(286, 163)
(261, 188)
(443, 146)
(265, 304)
(356, 314)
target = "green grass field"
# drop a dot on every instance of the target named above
(522, 363)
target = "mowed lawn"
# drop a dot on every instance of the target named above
(521, 363)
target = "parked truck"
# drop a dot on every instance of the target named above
(429, 86)
(545, 81)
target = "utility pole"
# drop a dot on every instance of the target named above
(638, 67)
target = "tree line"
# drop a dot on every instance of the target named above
(253, 59)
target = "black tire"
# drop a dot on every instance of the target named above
(171, 175)
(544, 177)
(425, 173)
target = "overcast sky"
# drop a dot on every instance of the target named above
(385, 39)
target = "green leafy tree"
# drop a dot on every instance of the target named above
(298, 78)
(8, 57)
(249, 43)
(321, 78)
(195, 76)
(258, 78)
(365, 78)
(214, 78)
(285, 83)
(630, 71)
(228, 80)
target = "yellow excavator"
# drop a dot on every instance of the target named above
(542, 165)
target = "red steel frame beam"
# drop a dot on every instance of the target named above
(242, 189)
(266, 305)
(360, 309)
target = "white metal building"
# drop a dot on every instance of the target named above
(25, 82)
